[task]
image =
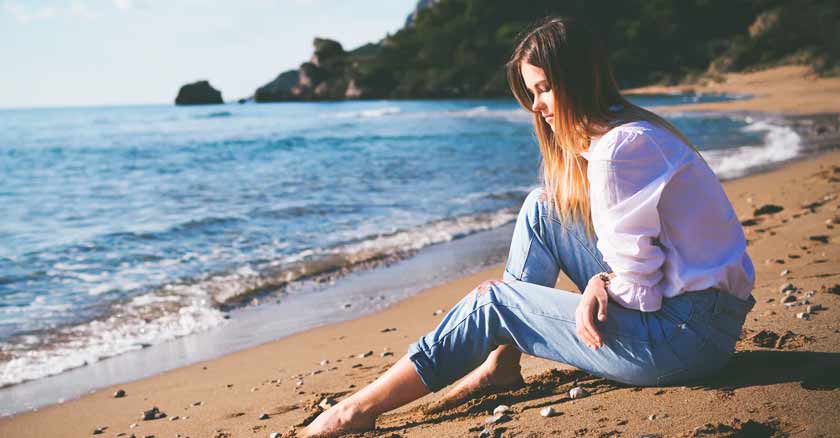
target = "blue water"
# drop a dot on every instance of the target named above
(126, 226)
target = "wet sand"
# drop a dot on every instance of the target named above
(784, 379)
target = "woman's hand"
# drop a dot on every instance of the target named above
(594, 301)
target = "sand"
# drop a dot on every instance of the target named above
(784, 379)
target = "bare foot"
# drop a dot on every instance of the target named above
(490, 377)
(336, 421)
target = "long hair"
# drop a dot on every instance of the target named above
(575, 63)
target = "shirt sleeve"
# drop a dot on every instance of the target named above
(627, 175)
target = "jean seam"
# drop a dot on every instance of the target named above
(580, 242)
(566, 320)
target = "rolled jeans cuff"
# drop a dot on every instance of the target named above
(424, 366)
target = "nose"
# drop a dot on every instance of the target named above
(537, 105)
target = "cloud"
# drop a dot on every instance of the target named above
(123, 4)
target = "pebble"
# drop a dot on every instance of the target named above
(810, 293)
(357, 365)
(348, 305)
(316, 372)
(651, 417)
(263, 416)
(784, 272)
(197, 403)
(299, 383)
(789, 299)
(132, 425)
(388, 329)
(274, 435)
(501, 409)
(254, 389)
(99, 430)
(326, 403)
(548, 412)
(485, 433)
(386, 354)
(437, 312)
(767, 209)
(366, 354)
(325, 362)
(786, 287)
(577, 392)
(174, 418)
(119, 394)
(813, 308)
(153, 414)
(803, 315)
(498, 418)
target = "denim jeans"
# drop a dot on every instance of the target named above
(691, 336)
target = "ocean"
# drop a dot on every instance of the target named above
(127, 227)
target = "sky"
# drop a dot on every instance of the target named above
(116, 52)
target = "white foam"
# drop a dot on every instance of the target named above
(781, 143)
(147, 319)
(367, 114)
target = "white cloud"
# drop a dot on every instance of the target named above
(25, 14)
(123, 4)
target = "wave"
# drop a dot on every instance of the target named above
(366, 114)
(781, 143)
(214, 115)
(187, 307)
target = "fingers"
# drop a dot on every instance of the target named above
(602, 307)
(585, 329)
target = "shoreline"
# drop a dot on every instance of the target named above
(254, 355)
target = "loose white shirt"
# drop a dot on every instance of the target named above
(663, 222)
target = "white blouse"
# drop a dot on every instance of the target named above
(663, 221)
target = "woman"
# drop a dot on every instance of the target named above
(628, 210)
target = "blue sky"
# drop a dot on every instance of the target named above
(105, 52)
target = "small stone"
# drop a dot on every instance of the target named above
(786, 287)
(316, 372)
(153, 414)
(803, 315)
(813, 308)
(197, 403)
(325, 362)
(548, 412)
(437, 312)
(496, 419)
(299, 383)
(810, 293)
(789, 299)
(174, 418)
(348, 305)
(274, 435)
(577, 392)
(651, 417)
(254, 389)
(132, 425)
(356, 365)
(326, 403)
(501, 409)
(485, 433)
(99, 430)
(386, 354)
(119, 394)
(364, 355)
(819, 238)
(784, 272)
(264, 416)
(767, 209)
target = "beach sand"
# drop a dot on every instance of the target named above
(784, 379)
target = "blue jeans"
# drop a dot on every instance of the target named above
(691, 336)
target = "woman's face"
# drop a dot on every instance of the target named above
(541, 92)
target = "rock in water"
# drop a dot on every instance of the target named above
(577, 392)
(198, 93)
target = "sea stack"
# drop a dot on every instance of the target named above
(198, 93)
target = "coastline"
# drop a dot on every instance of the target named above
(256, 367)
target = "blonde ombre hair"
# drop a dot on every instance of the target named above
(587, 103)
